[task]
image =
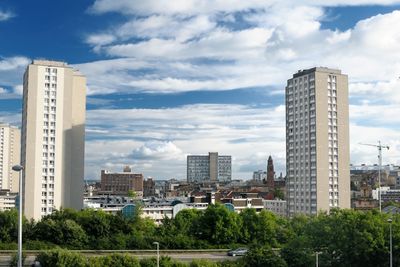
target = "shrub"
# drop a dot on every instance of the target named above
(8, 246)
(120, 260)
(61, 258)
(14, 260)
(39, 245)
(203, 263)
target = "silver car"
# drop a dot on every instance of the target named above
(237, 252)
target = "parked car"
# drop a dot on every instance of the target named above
(237, 252)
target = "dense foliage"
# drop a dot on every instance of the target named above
(64, 258)
(343, 238)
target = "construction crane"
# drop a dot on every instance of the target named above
(380, 147)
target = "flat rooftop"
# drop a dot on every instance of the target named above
(316, 69)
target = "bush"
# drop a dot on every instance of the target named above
(120, 260)
(203, 263)
(39, 245)
(14, 260)
(61, 258)
(229, 263)
(8, 246)
(164, 262)
(148, 262)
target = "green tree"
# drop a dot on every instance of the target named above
(297, 253)
(218, 225)
(66, 233)
(278, 193)
(263, 257)
(8, 226)
(349, 238)
(132, 193)
(250, 225)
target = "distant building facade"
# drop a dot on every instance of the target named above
(10, 151)
(149, 187)
(270, 181)
(277, 206)
(7, 200)
(259, 175)
(213, 168)
(120, 183)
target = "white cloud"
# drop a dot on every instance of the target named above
(188, 7)
(6, 15)
(156, 141)
(188, 46)
(18, 89)
(2, 90)
(13, 63)
(371, 135)
(157, 150)
(191, 7)
(161, 138)
(11, 72)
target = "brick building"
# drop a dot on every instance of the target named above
(120, 183)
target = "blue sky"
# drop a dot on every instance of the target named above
(168, 78)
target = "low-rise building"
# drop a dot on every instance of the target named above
(259, 175)
(149, 187)
(277, 206)
(121, 183)
(7, 200)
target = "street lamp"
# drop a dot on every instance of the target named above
(391, 246)
(19, 168)
(316, 257)
(158, 253)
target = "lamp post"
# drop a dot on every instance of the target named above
(158, 253)
(316, 257)
(391, 244)
(19, 168)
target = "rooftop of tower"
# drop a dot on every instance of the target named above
(51, 63)
(319, 69)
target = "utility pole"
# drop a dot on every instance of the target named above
(379, 146)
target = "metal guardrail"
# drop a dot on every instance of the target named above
(134, 251)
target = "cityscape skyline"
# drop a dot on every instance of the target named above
(213, 79)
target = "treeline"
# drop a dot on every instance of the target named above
(342, 238)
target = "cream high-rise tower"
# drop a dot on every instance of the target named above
(53, 137)
(317, 141)
(10, 151)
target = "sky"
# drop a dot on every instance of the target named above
(169, 78)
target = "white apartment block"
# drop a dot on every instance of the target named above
(53, 133)
(211, 167)
(277, 206)
(317, 141)
(7, 200)
(10, 151)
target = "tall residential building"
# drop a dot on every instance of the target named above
(10, 151)
(209, 168)
(317, 141)
(53, 137)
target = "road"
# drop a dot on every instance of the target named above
(185, 256)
